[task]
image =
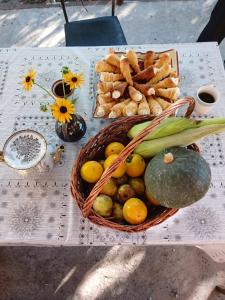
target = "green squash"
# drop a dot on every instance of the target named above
(177, 177)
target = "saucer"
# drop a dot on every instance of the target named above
(24, 149)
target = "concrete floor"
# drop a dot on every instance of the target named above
(152, 21)
(154, 273)
(132, 273)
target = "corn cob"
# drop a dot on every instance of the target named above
(184, 138)
(173, 125)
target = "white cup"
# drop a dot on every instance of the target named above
(202, 107)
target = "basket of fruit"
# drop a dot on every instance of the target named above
(128, 178)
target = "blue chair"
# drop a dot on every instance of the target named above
(103, 31)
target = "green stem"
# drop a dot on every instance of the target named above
(44, 89)
(73, 93)
(64, 93)
(73, 100)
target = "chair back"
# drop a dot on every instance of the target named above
(65, 12)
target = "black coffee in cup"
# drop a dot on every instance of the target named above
(206, 97)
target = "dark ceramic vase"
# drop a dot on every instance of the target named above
(72, 131)
(57, 89)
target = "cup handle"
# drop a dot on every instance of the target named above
(1, 156)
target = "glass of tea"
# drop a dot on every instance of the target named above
(207, 97)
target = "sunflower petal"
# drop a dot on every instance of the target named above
(58, 101)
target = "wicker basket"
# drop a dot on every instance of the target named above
(94, 150)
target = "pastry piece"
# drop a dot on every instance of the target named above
(104, 98)
(130, 109)
(149, 59)
(117, 109)
(110, 77)
(167, 83)
(161, 73)
(163, 59)
(135, 94)
(125, 70)
(171, 93)
(133, 60)
(103, 66)
(119, 90)
(104, 109)
(102, 88)
(145, 88)
(105, 87)
(163, 103)
(143, 107)
(113, 59)
(111, 50)
(155, 107)
(145, 75)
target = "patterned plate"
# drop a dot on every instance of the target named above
(24, 149)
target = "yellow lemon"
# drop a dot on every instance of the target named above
(135, 211)
(113, 148)
(120, 170)
(135, 165)
(91, 171)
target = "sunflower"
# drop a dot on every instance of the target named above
(62, 110)
(28, 80)
(73, 80)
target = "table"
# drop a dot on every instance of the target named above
(36, 207)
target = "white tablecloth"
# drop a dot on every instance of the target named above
(36, 207)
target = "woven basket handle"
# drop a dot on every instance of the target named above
(130, 148)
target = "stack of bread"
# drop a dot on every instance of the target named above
(135, 84)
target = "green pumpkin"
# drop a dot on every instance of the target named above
(177, 177)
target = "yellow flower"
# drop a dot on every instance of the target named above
(62, 110)
(28, 80)
(73, 79)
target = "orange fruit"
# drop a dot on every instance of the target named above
(151, 199)
(109, 188)
(120, 170)
(103, 205)
(135, 211)
(118, 211)
(135, 165)
(101, 163)
(113, 148)
(138, 185)
(91, 171)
